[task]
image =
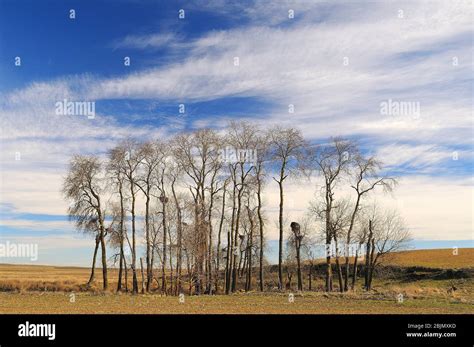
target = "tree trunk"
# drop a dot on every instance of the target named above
(230, 244)
(179, 241)
(348, 240)
(163, 264)
(104, 261)
(209, 248)
(339, 274)
(328, 239)
(249, 247)
(134, 252)
(120, 272)
(236, 240)
(122, 253)
(260, 224)
(94, 257)
(143, 275)
(221, 223)
(280, 240)
(338, 266)
(147, 239)
(171, 266)
(298, 263)
(354, 269)
(373, 260)
(367, 257)
(126, 273)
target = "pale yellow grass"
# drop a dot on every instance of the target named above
(254, 303)
(434, 258)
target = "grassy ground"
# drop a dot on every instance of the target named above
(46, 289)
(254, 303)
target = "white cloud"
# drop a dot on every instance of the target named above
(415, 156)
(433, 208)
(147, 41)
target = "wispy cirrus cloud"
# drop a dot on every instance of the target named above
(149, 41)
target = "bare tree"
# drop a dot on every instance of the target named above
(308, 245)
(287, 150)
(387, 233)
(250, 246)
(197, 156)
(298, 238)
(332, 161)
(83, 186)
(361, 234)
(201, 184)
(241, 140)
(366, 178)
(262, 146)
(130, 151)
(150, 156)
(339, 218)
(174, 175)
(219, 235)
(116, 175)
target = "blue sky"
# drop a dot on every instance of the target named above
(336, 62)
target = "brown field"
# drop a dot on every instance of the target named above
(434, 258)
(253, 303)
(48, 289)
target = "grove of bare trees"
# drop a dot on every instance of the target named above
(188, 214)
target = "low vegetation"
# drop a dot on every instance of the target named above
(36, 289)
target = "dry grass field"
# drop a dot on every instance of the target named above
(48, 289)
(434, 258)
(253, 303)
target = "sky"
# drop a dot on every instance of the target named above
(337, 64)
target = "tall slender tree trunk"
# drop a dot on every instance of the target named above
(179, 241)
(147, 239)
(261, 226)
(328, 240)
(354, 269)
(218, 255)
(373, 260)
(338, 265)
(104, 258)
(298, 263)
(122, 253)
(126, 273)
(209, 248)
(165, 232)
(94, 257)
(236, 240)
(120, 272)
(280, 240)
(230, 244)
(134, 252)
(143, 276)
(348, 240)
(171, 265)
(249, 248)
(242, 258)
(367, 257)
